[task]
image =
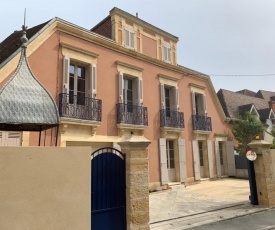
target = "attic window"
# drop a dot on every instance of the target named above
(167, 53)
(129, 38)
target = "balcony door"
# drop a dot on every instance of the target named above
(128, 94)
(170, 154)
(77, 85)
(201, 159)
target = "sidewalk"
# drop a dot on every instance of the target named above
(209, 201)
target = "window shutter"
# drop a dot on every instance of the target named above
(132, 37)
(193, 103)
(162, 96)
(230, 158)
(164, 53)
(66, 73)
(127, 37)
(204, 105)
(210, 159)
(196, 159)
(218, 160)
(140, 90)
(163, 161)
(94, 81)
(176, 98)
(91, 89)
(182, 159)
(169, 54)
(120, 86)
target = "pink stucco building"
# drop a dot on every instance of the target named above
(122, 78)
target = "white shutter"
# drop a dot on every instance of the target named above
(137, 92)
(163, 161)
(94, 81)
(196, 159)
(66, 74)
(182, 159)
(177, 99)
(210, 159)
(204, 105)
(218, 159)
(230, 158)
(140, 90)
(132, 37)
(174, 97)
(193, 103)
(168, 54)
(162, 96)
(120, 86)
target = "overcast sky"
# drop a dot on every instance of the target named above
(216, 37)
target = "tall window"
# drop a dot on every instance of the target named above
(170, 154)
(128, 94)
(221, 153)
(166, 53)
(167, 101)
(129, 38)
(77, 84)
(201, 153)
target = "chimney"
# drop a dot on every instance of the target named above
(137, 15)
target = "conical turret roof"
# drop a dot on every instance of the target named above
(25, 105)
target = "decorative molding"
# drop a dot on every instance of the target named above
(66, 122)
(197, 86)
(168, 132)
(125, 129)
(167, 77)
(129, 66)
(201, 135)
(78, 49)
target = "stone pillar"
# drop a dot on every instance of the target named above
(265, 177)
(137, 181)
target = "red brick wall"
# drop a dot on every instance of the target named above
(105, 28)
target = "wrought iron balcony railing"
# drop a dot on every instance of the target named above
(73, 106)
(170, 118)
(201, 123)
(132, 114)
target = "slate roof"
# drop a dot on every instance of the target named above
(265, 94)
(13, 43)
(264, 113)
(232, 101)
(247, 92)
(25, 104)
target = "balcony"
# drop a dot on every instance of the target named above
(201, 123)
(83, 108)
(131, 114)
(172, 119)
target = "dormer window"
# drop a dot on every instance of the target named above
(167, 53)
(129, 38)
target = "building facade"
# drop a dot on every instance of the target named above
(122, 78)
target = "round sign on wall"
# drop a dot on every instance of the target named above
(250, 155)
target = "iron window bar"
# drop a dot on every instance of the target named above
(171, 118)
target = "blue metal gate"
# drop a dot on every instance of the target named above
(108, 190)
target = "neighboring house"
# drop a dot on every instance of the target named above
(260, 104)
(122, 78)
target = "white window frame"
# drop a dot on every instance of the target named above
(167, 53)
(131, 38)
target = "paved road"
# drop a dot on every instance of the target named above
(195, 205)
(259, 221)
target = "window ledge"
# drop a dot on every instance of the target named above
(125, 129)
(66, 122)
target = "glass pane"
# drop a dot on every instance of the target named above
(81, 85)
(71, 96)
(71, 83)
(81, 72)
(71, 70)
(171, 145)
(130, 84)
